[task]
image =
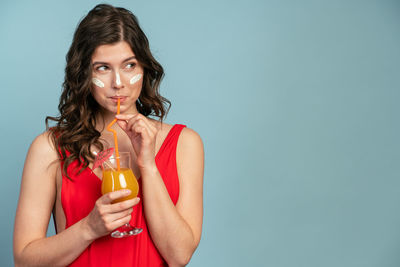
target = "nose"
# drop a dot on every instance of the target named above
(117, 84)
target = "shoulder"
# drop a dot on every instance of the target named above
(40, 163)
(43, 147)
(190, 137)
(190, 143)
(44, 142)
(187, 137)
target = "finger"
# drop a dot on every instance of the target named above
(132, 122)
(141, 130)
(151, 127)
(140, 125)
(122, 124)
(120, 222)
(122, 120)
(146, 134)
(125, 117)
(124, 205)
(148, 123)
(118, 215)
(142, 120)
(109, 197)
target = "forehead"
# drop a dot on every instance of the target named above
(112, 52)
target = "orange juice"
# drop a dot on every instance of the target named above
(114, 180)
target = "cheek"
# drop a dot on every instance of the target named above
(98, 93)
(135, 83)
(136, 88)
(135, 79)
(102, 80)
(98, 82)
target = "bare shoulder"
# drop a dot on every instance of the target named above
(43, 146)
(190, 139)
(42, 152)
(190, 151)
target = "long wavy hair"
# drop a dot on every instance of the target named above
(75, 129)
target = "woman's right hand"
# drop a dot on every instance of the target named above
(106, 217)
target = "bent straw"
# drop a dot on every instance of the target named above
(115, 135)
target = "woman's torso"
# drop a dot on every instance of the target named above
(93, 180)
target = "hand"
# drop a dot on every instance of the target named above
(142, 133)
(106, 217)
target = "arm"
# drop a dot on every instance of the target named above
(37, 196)
(175, 230)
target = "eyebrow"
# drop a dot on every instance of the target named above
(105, 63)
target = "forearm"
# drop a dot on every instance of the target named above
(57, 250)
(170, 232)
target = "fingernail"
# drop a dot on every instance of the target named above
(127, 191)
(118, 116)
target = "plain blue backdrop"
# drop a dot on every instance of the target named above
(296, 102)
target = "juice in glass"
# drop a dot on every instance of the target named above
(114, 180)
(117, 175)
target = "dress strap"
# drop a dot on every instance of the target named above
(172, 138)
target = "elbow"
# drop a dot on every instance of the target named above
(183, 258)
(20, 255)
(180, 262)
(180, 253)
(17, 253)
(17, 259)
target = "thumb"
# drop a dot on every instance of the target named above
(122, 124)
(122, 120)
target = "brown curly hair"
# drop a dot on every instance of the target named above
(75, 129)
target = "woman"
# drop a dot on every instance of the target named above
(110, 61)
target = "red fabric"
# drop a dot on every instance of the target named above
(79, 195)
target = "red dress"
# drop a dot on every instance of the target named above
(79, 195)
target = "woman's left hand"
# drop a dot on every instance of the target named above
(142, 133)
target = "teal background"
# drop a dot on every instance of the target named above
(296, 102)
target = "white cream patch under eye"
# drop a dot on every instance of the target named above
(118, 79)
(135, 78)
(98, 82)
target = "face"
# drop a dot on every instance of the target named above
(116, 75)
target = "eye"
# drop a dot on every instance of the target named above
(130, 65)
(102, 68)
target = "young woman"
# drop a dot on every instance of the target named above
(110, 61)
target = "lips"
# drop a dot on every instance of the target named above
(115, 98)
